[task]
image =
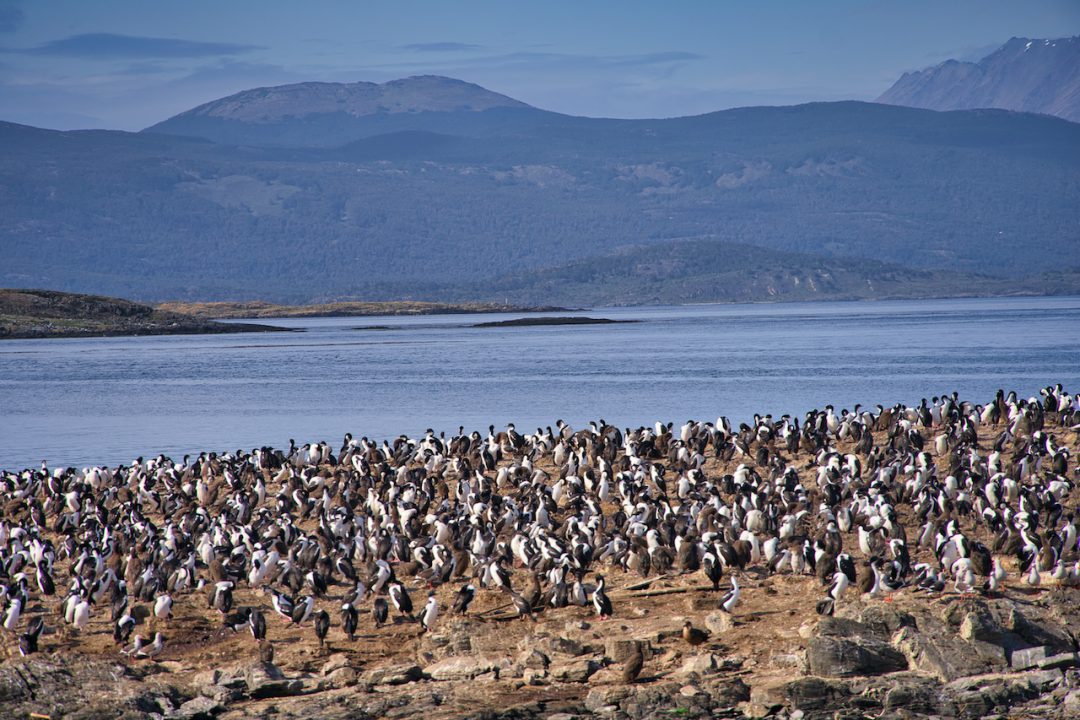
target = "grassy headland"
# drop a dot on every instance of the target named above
(49, 313)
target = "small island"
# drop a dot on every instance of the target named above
(54, 314)
(531, 321)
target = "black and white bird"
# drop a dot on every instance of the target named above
(730, 600)
(322, 626)
(601, 602)
(28, 641)
(257, 625)
(163, 607)
(402, 602)
(349, 620)
(380, 611)
(122, 629)
(839, 584)
(713, 570)
(237, 621)
(522, 606)
(463, 598)
(302, 610)
(283, 605)
(430, 613)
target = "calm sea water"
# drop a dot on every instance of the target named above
(108, 400)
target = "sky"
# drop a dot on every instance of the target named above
(126, 64)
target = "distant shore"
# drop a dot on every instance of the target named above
(32, 314)
(264, 310)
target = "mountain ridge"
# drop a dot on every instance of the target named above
(335, 113)
(1025, 75)
(508, 192)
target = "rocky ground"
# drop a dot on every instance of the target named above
(907, 654)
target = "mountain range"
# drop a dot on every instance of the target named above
(431, 188)
(1039, 76)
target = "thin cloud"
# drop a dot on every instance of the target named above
(441, 47)
(108, 46)
(658, 58)
(555, 61)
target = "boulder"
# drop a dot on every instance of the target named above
(814, 695)
(555, 645)
(200, 708)
(578, 670)
(884, 620)
(947, 657)
(980, 626)
(619, 650)
(336, 661)
(342, 677)
(1060, 660)
(976, 697)
(394, 675)
(719, 622)
(534, 660)
(265, 680)
(461, 668)
(1027, 657)
(455, 637)
(841, 657)
(910, 693)
(1045, 631)
(221, 693)
(703, 664)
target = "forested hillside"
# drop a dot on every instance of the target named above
(418, 214)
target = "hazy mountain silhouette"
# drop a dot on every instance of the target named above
(1041, 76)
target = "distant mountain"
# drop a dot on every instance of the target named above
(1039, 76)
(516, 202)
(318, 114)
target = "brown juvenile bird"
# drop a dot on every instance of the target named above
(692, 635)
(632, 666)
(266, 652)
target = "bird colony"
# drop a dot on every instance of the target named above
(387, 540)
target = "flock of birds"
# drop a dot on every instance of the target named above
(306, 527)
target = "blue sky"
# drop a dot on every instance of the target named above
(129, 63)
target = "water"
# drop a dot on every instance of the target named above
(108, 400)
